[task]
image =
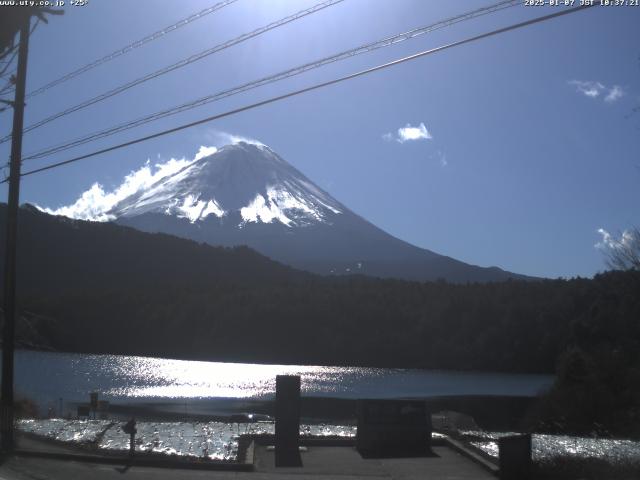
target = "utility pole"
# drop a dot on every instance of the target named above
(7, 439)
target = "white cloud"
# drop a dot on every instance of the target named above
(587, 88)
(90, 206)
(95, 203)
(440, 157)
(205, 152)
(220, 139)
(409, 133)
(607, 239)
(609, 242)
(233, 139)
(614, 94)
(594, 89)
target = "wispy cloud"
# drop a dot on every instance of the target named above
(443, 159)
(593, 89)
(589, 89)
(621, 253)
(409, 133)
(614, 94)
(221, 139)
(205, 152)
(440, 157)
(96, 202)
(609, 242)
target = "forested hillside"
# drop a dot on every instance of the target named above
(103, 288)
(112, 289)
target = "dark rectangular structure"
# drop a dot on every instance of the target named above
(393, 428)
(288, 421)
(83, 410)
(515, 457)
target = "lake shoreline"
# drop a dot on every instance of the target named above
(28, 347)
(489, 412)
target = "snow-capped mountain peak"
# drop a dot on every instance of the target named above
(246, 194)
(243, 177)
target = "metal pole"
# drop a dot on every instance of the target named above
(8, 331)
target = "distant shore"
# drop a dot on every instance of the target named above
(489, 412)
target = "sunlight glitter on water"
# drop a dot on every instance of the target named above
(547, 447)
(155, 377)
(47, 377)
(212, 440)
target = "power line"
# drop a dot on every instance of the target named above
(13, 51)
(308, 89)
(180, 64)
(386, 42)
(7, 89)
(131, 46)
(4, 72)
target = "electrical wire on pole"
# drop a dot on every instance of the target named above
(3, 71)
(180, 64)
(14, 52)
(8, 87)
(131, 46)
(369, 47)
(311, 88)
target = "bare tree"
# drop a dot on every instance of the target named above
(622, 253)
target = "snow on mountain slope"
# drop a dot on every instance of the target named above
(247, 178)
(246, 194)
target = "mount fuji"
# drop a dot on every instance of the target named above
(246, 194)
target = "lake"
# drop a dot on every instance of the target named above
(46, 377)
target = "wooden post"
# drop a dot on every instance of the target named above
(8, 330)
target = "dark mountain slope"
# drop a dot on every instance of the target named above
(246, 194)
(104, 288)
(59, 254)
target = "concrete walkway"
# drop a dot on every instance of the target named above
(320, 463)
(321, 460)
(336, 462)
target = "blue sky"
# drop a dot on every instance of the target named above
(524, 144)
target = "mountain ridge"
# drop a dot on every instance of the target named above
(246, 194)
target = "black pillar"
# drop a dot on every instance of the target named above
(288, 421)
(515, 457)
